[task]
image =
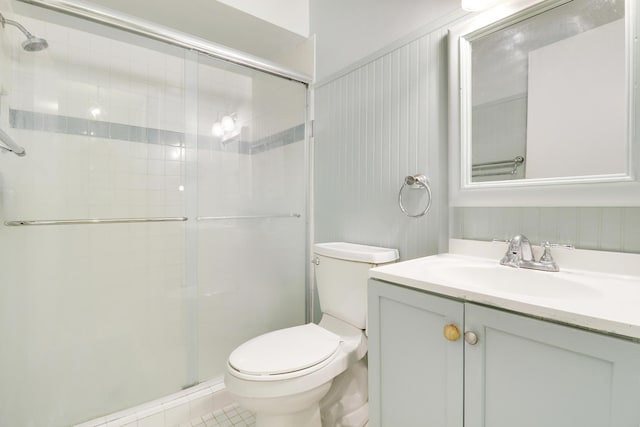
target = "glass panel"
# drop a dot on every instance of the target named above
(96, 318)
(93, 313)
(251, 170)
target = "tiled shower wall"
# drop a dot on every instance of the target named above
(133, 312)
(76, 299)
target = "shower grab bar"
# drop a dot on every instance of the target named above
(11, 144)
(93, 221)
(222, 218)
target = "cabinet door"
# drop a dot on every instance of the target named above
(415, 373)
(530, 373)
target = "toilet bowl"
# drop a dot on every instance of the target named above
(314, 375)
(258, 379)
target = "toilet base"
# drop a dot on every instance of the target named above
(346, 404)
(307, 418)
(297, 410)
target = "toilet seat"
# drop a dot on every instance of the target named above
(285, 353)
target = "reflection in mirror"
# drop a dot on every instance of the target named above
(549, 94)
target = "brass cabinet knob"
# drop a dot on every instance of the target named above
(451, 332)
(471, 337)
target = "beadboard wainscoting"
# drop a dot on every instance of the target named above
(375, 125)
(601, 228)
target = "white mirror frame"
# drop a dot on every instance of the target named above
(596, 190)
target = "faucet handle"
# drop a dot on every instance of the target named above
(546, 257)
(557, 245)
(547, 247)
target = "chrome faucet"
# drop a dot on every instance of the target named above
(520, 247)
(513, 257)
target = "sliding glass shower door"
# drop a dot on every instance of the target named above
(251, 209)
(158, 219)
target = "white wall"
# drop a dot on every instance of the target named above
(348, 31)
(5, 75)
(499, 133)
(292, 15)
(576, 116)
(265, 36)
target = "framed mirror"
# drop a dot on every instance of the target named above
(542, 105)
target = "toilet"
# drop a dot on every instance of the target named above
(314, 375)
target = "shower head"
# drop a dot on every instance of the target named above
(32, 43)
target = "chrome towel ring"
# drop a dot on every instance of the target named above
(416, 181)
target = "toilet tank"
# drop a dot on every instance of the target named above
(342, 271)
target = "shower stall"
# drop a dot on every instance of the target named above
(158, 218)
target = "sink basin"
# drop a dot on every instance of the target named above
(594, 290)
(514, 281)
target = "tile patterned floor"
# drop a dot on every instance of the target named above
(229, 416)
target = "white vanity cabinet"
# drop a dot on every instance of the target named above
(415, 374)
(521, 372)
(527, 372)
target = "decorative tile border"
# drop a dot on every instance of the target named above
(288, 136)
(30, 120)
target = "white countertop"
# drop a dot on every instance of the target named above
(606, 300)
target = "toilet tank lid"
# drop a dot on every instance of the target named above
(355, 252)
